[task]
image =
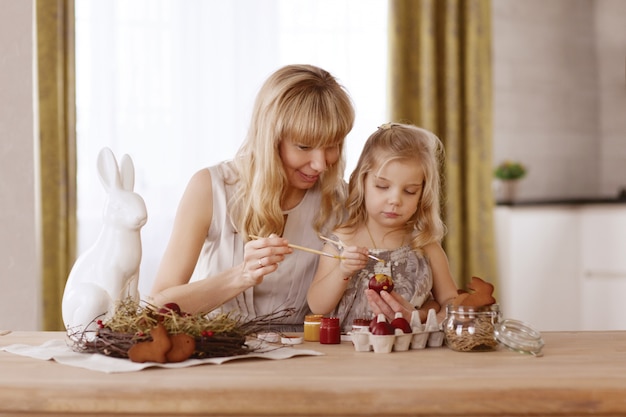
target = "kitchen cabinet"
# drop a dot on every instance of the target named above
(603, 273)
(562, 267)
(538, 266)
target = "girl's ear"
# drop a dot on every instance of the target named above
(108, 170)
(127, 173)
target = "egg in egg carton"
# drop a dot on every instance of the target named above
(429, 334)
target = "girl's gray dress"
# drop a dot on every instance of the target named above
(412, 278)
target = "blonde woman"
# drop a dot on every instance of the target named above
(284, 185)
(394, 210)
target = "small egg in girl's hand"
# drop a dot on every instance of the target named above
(380, 282)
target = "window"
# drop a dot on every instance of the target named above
(171, 83)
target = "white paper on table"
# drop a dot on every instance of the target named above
(59, 351)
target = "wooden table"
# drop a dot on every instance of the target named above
(581, 373)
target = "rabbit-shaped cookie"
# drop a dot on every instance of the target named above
(109, 270)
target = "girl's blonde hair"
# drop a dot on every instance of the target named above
(307, 105)
(404, 142)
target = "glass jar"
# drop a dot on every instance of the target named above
(330, 333)
(312, 324)
(471, 329)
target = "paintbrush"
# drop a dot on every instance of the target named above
(305, 249)
(340, 245)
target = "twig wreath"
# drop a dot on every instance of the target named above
(168, 335)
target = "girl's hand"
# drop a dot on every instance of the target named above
(354, 259)
(261, 257)
(388, 304)
(431, 304)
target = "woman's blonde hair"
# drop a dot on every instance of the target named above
(404, 142)
(305, 104)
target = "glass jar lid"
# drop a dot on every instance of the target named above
(519, 337)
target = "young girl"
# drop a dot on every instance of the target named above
(393, 209)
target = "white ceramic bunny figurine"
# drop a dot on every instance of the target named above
(109, 270)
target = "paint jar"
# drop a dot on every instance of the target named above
(330, 333)
(361, 325)
(312, 324)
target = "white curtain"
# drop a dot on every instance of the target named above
(171, 83)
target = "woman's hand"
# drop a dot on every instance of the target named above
(262, 256)
(389, 304)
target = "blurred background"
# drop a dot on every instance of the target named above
(172, 83)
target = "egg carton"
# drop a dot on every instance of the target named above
(428, 335)
(366, 341)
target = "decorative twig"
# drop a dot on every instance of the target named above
(215, 335)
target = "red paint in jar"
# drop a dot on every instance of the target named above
(330, 333)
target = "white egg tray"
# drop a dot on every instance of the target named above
(364, 341)
(429, 334)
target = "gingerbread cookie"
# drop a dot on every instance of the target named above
(154, 350)
(480, 294)
(183, 346)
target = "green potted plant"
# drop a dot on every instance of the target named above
(509, 173)
(510, 170)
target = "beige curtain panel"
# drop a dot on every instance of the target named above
(440, 79)
(57, 142)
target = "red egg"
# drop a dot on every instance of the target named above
(401, 323)
(380, 282)
(170, 308)
(382, 326)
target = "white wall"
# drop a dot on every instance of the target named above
(560, 94)
(19, 254)
(610, 31)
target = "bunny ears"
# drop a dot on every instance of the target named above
(113, 177)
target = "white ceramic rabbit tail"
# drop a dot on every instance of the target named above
(108, 271)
